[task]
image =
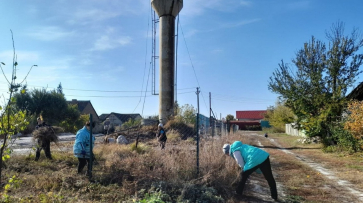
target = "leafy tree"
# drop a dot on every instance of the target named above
(72, 120)
(60, 89)
(187, 114)
(54, 107)
(279, 115)
(50, 104)
(229, 117)
(316, 90)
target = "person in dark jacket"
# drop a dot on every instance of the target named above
(161, 136)
(250, 159)
(44, 142)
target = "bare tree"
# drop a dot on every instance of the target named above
(11, 121)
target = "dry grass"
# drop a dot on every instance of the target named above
(123, 173)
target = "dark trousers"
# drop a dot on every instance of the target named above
(82, 163)
(265, 167)
(45, 145)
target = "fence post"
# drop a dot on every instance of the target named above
(90, 144)
(198, 131)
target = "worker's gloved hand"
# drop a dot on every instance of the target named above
(83, 152)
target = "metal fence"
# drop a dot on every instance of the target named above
(205, 127)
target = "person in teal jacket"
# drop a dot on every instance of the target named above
(250, 159)
(81, 147)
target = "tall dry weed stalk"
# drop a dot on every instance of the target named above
(176, 164)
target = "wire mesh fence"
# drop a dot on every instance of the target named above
(193, 127)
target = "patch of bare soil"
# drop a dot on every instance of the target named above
(303, 174)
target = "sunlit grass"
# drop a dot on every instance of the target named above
(127, 173)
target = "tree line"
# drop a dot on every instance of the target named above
(51, 106)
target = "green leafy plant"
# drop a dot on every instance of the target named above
(154, 197)
(131, 123)
(13, 183)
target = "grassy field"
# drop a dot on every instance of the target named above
(124, 173)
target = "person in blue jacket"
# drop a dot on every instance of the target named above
(250, 159)
(81, 147)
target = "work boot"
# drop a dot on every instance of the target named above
(274, 197)
(89, 173)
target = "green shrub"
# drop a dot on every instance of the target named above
(199, 193)
(153, 197)
(344, 139)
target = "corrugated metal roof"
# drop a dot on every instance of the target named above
(259, 114)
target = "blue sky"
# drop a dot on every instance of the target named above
(101, 50)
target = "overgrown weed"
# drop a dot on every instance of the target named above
(122, 171)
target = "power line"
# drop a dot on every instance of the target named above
(143, 79)
(176, 56)
(102, 96)
(107, 91)
(229, 98)
(143, 105)
(238, 98)
(246, 101)
(191, 62)
(127, 96)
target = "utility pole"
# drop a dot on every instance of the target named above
(210, 110)
(211, 120)
(198, 131)
(90, 144)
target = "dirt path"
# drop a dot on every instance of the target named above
(298, 178)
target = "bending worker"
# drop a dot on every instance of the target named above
(251, 158)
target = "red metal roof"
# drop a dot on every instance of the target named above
(250, 114)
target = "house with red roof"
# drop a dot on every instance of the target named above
(250, 120)
(250, 115)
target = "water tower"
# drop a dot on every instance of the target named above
(167, 10)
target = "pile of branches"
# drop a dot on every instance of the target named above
(47, 133)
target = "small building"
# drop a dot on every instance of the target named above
(250, 120)
(117, 119)
(85, 107)
(257, 115)
(204, 121)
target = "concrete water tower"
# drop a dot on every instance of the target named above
(167, 10)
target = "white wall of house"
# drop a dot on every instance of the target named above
(114, 120)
